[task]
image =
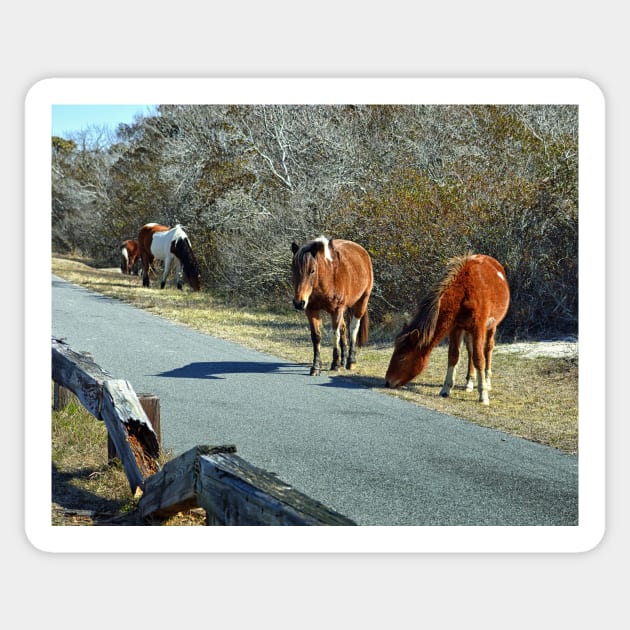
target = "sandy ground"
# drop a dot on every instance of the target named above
(560, 348)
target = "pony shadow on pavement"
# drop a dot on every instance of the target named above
(341, 381)
(218, 369)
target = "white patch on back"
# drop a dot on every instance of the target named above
(500, 275)
(327, 254)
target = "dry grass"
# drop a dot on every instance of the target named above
(533, 398)
(86, 488)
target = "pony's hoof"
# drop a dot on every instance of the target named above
(351, 366)
(334, 368)
(444, 394)
(315, 371)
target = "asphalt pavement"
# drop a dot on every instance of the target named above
(374, 458)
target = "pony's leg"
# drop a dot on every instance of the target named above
(359, 325)
(339, 345)
(343, 341)
(454, 344)
(488, 355)
(146, 265)
(358, 318)
(479, 359)
(353, 329)
(178, 273)
(168, 261)
(470, 374)
(315, 324)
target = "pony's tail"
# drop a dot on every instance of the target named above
(364, 329)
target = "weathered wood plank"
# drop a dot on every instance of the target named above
(151, 406)
(130, 431)
(114, 402)
(174, 488)
(79, 374)
(233, 492)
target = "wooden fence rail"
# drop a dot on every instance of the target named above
(115, 402)
(229, 489)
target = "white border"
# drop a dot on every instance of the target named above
(583, 537)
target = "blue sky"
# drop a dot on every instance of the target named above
(68, 119)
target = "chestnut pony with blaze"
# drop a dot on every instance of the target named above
(472, 300)
(333, 276)
(168, 245)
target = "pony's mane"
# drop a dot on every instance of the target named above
(425, 319)
(307, 249)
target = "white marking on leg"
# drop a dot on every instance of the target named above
(354, 329)
(481, 387)
(448, 381)
(337, 332)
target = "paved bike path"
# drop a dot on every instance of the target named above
(374, 458)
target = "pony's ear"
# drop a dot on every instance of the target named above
(414, 337)
(316, 247)
(294, 247)
(330, 244)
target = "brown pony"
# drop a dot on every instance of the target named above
(472, 300)
(129, 252)
(334, 276)
(168, 245)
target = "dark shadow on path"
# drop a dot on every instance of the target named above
(217, 369)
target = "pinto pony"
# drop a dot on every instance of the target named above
(169, 245)
(472, 300)
(334, 276)
(129, 252)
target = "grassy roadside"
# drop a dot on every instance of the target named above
(533, 398)
(86, 488)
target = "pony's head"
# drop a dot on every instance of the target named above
(408, 359)
(182, 249)
(305, 267)
(412, 345)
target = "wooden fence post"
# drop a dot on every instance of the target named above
(151, 405)
(61, 397)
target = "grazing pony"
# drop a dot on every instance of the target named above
(334, 276)
(472, 300)
(168, 244)
(129, 252)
